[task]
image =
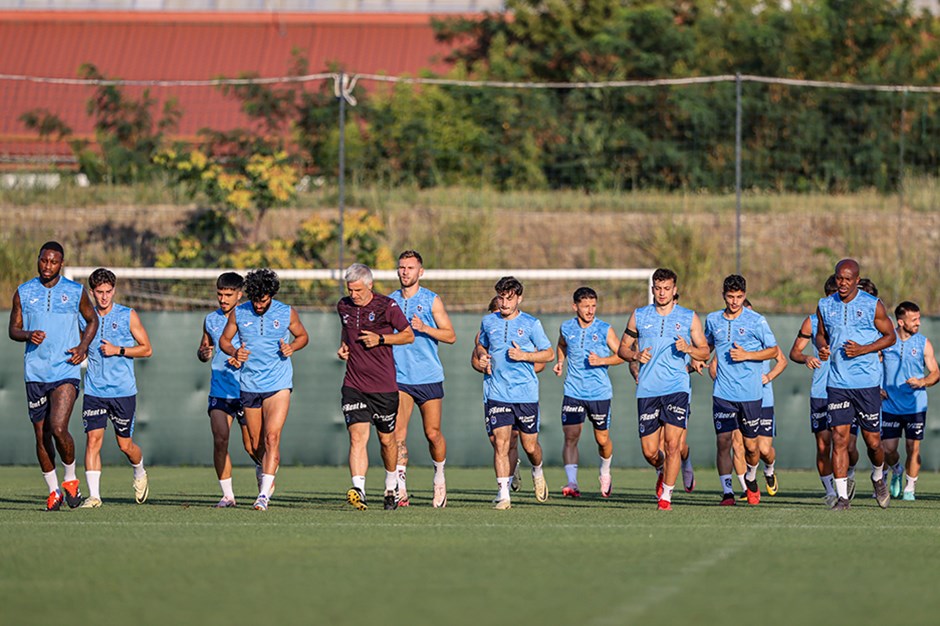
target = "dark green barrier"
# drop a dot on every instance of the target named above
(173, 429)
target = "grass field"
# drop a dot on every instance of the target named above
(310, 559)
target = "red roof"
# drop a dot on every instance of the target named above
(188, 46)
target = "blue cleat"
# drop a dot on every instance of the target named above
(895, 485)
(909, 496)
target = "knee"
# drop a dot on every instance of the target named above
(126, 445)
(272, 440)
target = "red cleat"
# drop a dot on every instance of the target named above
(665, 505)
(753, 492)
(571, 491)
(659, 485)
(727, 499)
(54, 501)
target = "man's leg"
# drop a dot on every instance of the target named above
(824, 464)
(533, 450)
(569, 455)
(405, 407)
(221, 424)
(501, 439)
(358, 462)
(93, 441)
(765, 446)
(274, 410)
(752, 457)
(431, 413)
(389, 449)
(61, 402)
(688, 472)
(876, 455)
(651, 445)
(672, 442)
(514, 462)
(737, 458)
(724, 465)
(912, 466)
(890, 444)
(605, 451)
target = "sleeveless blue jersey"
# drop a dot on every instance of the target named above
(903, 360)
(666, 372)
(111, 376)
(851, 321)
(418, 363)
(820, 374)
(512, 381)
(225, 378)
(266, 369)
(55, 311)
(738, 381)
(583, 380)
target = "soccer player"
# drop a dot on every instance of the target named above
(662, 337)
(45, 316)
(511, 342)
(370, 390)
(419, 372)
(905, 395)
(741, 339)
(111, 386)
(818, 403)
(853, 328)
(224, 388)
(268, 332)
(589, 347)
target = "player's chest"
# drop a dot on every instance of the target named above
(355, 319)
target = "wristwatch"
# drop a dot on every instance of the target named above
(122, 351)
(381, 340)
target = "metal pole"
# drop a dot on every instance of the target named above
(737, 171)
(342, 175)
(900, 219)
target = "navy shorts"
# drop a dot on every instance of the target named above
(911, 424)
(38, 395)
(254, 400)
(380, 409)
(661, 410)
(229, 406)
(730, 416)
(768, 426)
(423, 393)
(488, 427)
(121, 411)
(855, 406)
(574, 411)
(523, 415)
(818, 415)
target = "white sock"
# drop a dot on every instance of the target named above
(828, 485)
(667, 492)
(571, 472)
(911, 484)
(359, 482)
(896, 468)
(69, 472)
(741, 480)
(725, 480)
(842, 487)
(851, 473)
(537, 471)
(439, 472)
(139, 471)
(503, 487)
(878, 472)
(400, 471)
(226, 484)
(751, 472)
(52, 481)
(391, 480)
(93, 478)
(605, 465)
(769, 469)
(266, 481)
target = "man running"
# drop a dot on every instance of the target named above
(45, 316)
(419, 372)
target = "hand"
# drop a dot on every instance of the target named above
(286, 349)
(368, 338)
(812, 363)
(343, 353)
(884, 394)
(915, 383)
(486, 362)
(234, 362)
(594, 360)
(824, 353)
(108, 349)
(241, 355)
(646, 356)
(36, 337)
(558, 368)
(764, 379)
(697, 366)
(417, 324)
(205, 352)
(78, 355)
(853, 349)
(516, 353)
(682, 345)
(739, 354)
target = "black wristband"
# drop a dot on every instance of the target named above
(802, 336)
(381, 340)
(122, 351)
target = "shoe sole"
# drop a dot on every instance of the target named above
(353, 498)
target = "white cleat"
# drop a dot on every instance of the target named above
(440, 496)
(226, 503)
(90, 503)
(141, 489)
(541, 488)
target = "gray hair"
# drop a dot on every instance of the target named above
(358, 271)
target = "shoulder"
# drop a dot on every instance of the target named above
(427, 293)
(396, 295)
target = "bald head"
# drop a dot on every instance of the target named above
(850, 265)
(847, 278)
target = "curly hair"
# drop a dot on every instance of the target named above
(101, 276)
(261, 283)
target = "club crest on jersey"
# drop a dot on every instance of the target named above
(913, 351)
(371, 316)
(419, 308)
(594, 337)
(113, 325)
(858, 313)
(276, 323)
(520, 332)
(65, 298)
(678, 326)
(741, 331)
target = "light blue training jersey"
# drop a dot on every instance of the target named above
(768, 400)
(904, 360)
(225, 378)
(738, 381)
(512, 381)
(820, 374)
(851, 321)
(583, 380)
(418, 363)
(667, 371)
(55, 311)
(111, 376)
(266, 370)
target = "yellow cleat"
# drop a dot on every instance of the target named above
(771, 484)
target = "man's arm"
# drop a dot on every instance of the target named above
(16, 324)
(204, 353)
(87, 310)
(539, 356)
(887, 339)
(613, 344)
(739, 354)
(930, 364)
(299, 333)
(822, 337)
(803, 337)
(699, 349)
(627, 350)
(239, 355)
(779, 366)
(141, 350)
(561, 354)
(445, 329)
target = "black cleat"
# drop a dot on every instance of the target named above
(842, 504)
(390, 501)
(881, 493)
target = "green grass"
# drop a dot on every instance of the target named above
(310, 559)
